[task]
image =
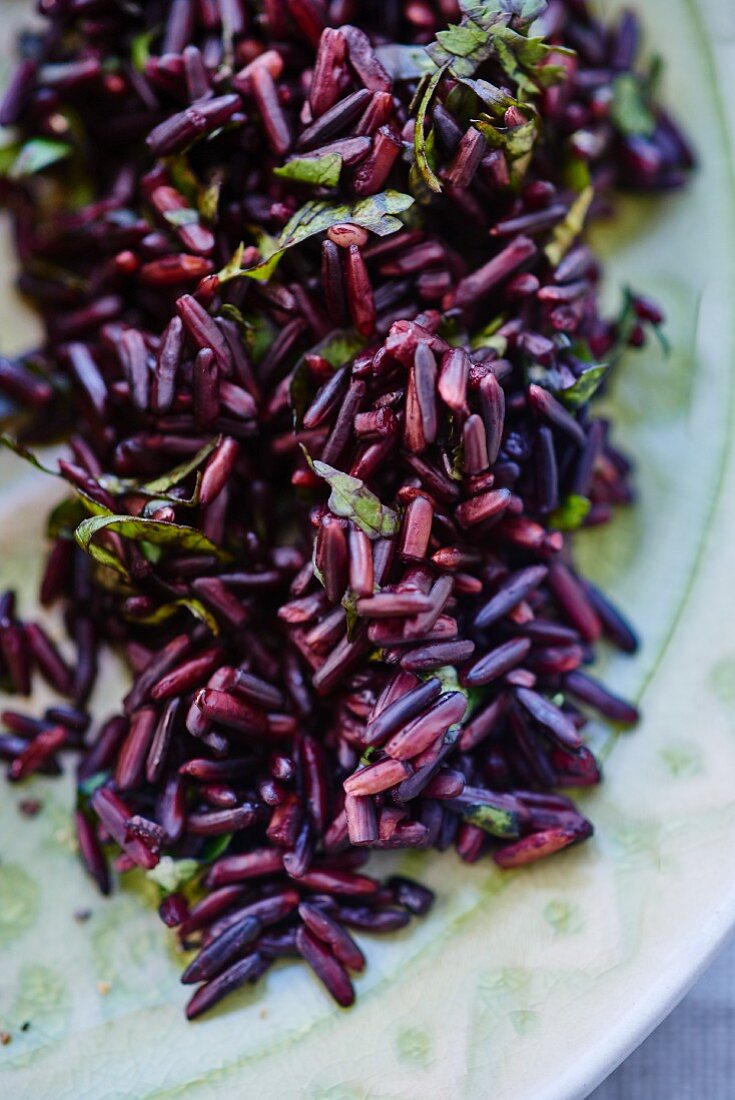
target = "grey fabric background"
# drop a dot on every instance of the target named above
(691, 1055)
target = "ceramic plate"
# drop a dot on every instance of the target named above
(521, 986)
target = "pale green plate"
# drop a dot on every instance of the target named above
(524, 986)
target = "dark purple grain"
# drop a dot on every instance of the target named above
(246, 970)
(326, 967)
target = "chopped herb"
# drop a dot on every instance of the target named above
(629, 109)
(494, 820)
(140, 47)
(167, 611)
(375, 213)
(585, 387)
(565, 234)
(351, 499)
(160, 534)
(405, 62)
(423, 165)
(171, 874)
(208, 200)
(571, 514)
(319, 171)
(233, 268)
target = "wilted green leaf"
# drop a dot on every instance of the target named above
(167, 611)
(493, 97)
(423, 164)
(484, 33)
(515, 141)
(375, 213)
(319, 171)
(139, 530)
(179, 473)
(23, 452)
(351, 499)
(523, 11)
(65, 518)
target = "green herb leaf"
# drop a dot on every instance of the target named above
(585, 387)
(571, 514)
(515, 141)
(319, 171)
(167, 611)
(351, 499)
(65, 518)
(375, 213)
(464, 39)
(449, 680)
(233, 268)
(405, 62)
(183, 177)
(140, 47)
(487, 338)
(349, 603)
(23, 452)
(566, 232)
(485, 32)
(208, 200)
(493, 97)
(629, 109)
(494, 820)
(171, 874)
(463, 47)
(179, 473)
(421, 151)
(18, 161)
(140, 530)
(577, 174)
(523, 11)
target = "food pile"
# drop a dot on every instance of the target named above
(323, 333)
